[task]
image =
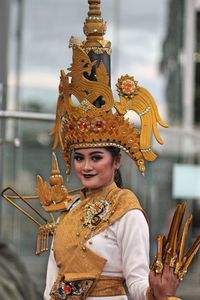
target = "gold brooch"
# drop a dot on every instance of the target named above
(96, 211)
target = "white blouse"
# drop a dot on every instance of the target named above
(125, 246)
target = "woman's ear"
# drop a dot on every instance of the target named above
(117, 162)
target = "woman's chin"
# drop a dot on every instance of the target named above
(91, 184)
(95, 182)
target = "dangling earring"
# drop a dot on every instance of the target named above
(117, 177)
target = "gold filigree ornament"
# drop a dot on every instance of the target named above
(94, 213)
(98, 120)
(53, 194)
(127, 86)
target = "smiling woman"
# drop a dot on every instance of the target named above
(96, 167)
(102, 236)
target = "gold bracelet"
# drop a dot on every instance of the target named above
(174, 298)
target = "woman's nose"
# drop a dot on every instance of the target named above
(87, 166)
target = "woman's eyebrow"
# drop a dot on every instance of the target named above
(91, 153)
(96, 152)
(78, 153)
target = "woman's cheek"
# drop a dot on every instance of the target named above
(77, 166)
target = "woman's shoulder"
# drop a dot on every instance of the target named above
(129, 199)
(126, 200)
(127, 195)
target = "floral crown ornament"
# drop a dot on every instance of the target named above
(98, 120)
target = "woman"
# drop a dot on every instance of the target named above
(102, 236)
(123, 245)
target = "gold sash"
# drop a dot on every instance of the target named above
(107, 286)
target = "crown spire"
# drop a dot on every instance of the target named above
(94, 27)
(55, 169)
(94, 8)
(56, 177)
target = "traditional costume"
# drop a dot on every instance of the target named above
(104, 239)
(101, 239)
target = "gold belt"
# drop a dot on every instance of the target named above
(108, 286)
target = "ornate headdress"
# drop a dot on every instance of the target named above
(98, 120)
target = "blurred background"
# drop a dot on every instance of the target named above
(158, 42)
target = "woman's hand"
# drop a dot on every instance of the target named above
(163, 285)
(170, 265)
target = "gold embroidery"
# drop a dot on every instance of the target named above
(73, 258)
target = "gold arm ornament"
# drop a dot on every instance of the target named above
(52, 198)
(170, 250)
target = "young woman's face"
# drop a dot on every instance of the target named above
(95, 167)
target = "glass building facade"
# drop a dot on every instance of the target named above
(158, 42)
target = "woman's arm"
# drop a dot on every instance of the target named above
(133, 241)
(52, 273)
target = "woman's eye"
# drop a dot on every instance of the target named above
(78, 158)
(96, 158)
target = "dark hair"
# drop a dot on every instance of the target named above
(114, 151)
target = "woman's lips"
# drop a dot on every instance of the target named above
(88, 175)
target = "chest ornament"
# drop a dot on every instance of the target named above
(95, 212)
(95, 217)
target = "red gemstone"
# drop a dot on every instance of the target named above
(97, 207)
(71, 127)
(127, 87)
(83, 126)
(98, 124)
(67, 289)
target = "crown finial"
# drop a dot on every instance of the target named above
(55, 178)
(55, 169)
(94, 27)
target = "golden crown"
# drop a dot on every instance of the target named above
(96, 119)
